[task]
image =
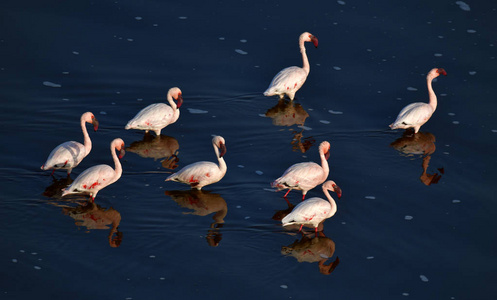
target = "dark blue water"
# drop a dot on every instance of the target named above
(416, 219)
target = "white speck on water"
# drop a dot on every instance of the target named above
(65, 73)
(319, 65)
(37, 267)
(451, 114)
(456, 201)
(335, 112)
(343, 223)
(305, 127)
(155, 25)
(138, 18)
(455, 122)
(323, 256)
(243, 41)
(129, 40)
(443, 95)
(284, 286)
(103, 113)
(341, 2)
(34, 253)
(239, 51)
(238, 206)
(470, 31)
(494, 130)
(197, 111)
(262, 115)
(152, 256)
(472, 72)
(440, 36)
(337, 68)
(22, 251)
(182, 18)
(405, 294)
(324, 121)
(370, 257)
(446, 153)
(463, 5)
(241, 166)
(369, 50)
(370, 197)
(75, 52)
(247, 217)
(410, 88)
(14, 260)
(423, 278)
(51, 84)
(139, 99)
(259, 172)
(438, 54)
(408, 218)
(162, 278)
(221, 38)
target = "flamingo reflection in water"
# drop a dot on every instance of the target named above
(203, 203)
(93, 216)
(313, 249)
(157, 147)
(289, 113)
(421, 143)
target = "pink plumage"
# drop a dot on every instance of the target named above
(307, 175)
(314, 210)
(158, 115)
(416, 114)
(203, 173)
(289, 80)
(93, 179)
(68, 155)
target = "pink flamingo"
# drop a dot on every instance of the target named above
(69, 154)
(93, 179)
(314, 210)
(289, 80)
(307, 175)
(158, 115)
(203, 173)
(416, 114)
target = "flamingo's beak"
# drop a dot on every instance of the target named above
(441, 71)
(338, 191)
(222, 147)
(314, 40)
(327, 154)
(179, 101)
(94, 122)
(121, 152)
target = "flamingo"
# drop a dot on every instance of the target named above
(314, 210)
(203, 173)
(93, 179)
(289, 80)
(307, 175)
(69, 154)
(158, 115)
(416, 114)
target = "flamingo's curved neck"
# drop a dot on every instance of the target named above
(332, 202)
(171, 102)
(222, 163)
(305, 61)
(324, 165)
(118, 168)
(431, 93)
(87, 140)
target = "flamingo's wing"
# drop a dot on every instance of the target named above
(414, 114)
(197, 172)
(93, 179)
(307, 211)
(287, 80)
(301, 175)
(66, 155)
(154, 115)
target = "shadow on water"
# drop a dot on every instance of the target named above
(157, 147)
(421, 143)
(289, 113)
(203, 203)
(313, 249)
(55, 189)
